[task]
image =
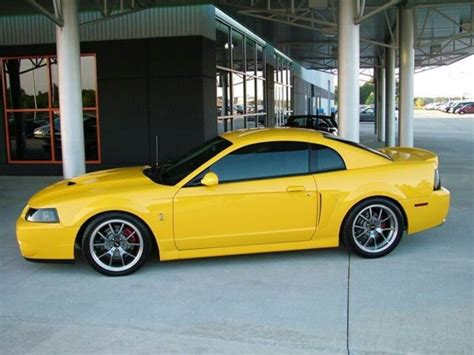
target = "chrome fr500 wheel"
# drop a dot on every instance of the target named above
(116, 244)
(373, 228)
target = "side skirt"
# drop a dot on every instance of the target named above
(249, 249)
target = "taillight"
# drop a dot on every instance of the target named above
(437, 180)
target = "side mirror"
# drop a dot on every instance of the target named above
(210, 179)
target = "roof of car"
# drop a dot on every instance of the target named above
(267, 134)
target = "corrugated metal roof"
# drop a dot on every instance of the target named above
(147, 23)
(315, 47)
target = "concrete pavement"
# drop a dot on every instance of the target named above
(419, 299)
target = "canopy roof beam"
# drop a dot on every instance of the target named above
(56, 18)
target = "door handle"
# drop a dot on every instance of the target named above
(295, 188)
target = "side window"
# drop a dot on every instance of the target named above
(263, 160)
(324, 159)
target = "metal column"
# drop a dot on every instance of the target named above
(389, 97)
(381, 103)
(407, 73)
(70, 90)
(348, 70)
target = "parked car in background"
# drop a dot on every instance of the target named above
(469, 108)
(432, 106)
(367, 114)
(318, 122)
(90, 136)
(460, 104)
(450, 104)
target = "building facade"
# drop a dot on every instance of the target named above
(154, 84)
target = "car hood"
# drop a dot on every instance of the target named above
(116, 181)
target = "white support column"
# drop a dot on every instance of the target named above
(348, 70)
(381, 103)
(389, 97)
(407, 76)
(70, 91)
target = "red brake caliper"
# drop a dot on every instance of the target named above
(127, 231)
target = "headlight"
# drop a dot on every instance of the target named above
(437, 180)
(42, 215)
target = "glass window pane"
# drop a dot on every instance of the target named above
(222, 45)
(90, 135)
(250, 55)
(288, 73)
(275, 70)
(325, 159)
(238, 94)
(290, 108)
(237, 51)
(250, 87)
(260, 62)
(252, 122)
(29, 136)
(238, 123)
(27, 83)
(53, 62)
(260, 96)
(263, 160)
(220, 126)
(88, 79)
(2, 85)
(223, 93)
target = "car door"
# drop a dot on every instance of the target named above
(265, 195)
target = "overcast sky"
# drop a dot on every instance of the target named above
(452, 80)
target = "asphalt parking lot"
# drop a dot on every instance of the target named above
(419, 299)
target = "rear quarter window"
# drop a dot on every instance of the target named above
(324, 159)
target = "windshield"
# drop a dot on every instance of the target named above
(172, 173)
(357, 145)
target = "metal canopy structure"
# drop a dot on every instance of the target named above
(306, 30)
(327, 35)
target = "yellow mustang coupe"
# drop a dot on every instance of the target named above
(250, 191)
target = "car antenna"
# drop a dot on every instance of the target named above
(156, 150)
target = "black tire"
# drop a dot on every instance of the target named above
(373, 228)
(116, 244)
(461, 112)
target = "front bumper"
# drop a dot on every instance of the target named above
(425, 213)
(45, 240)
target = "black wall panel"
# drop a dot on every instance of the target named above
(175, 115)
(123, 121)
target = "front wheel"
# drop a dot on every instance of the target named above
(373, 228)
(116, 244)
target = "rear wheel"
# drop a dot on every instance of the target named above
(373, 228)
(116, 244)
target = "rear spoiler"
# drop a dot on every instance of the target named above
(409, 154)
